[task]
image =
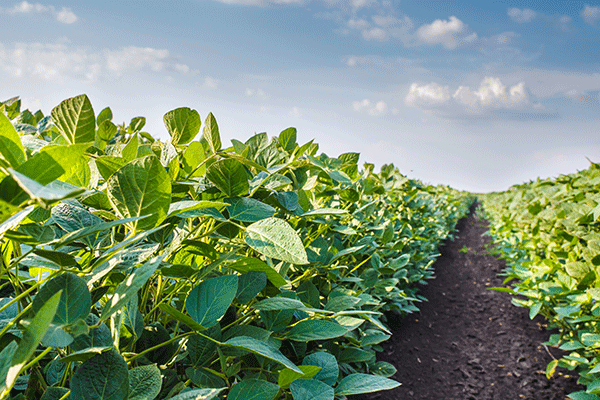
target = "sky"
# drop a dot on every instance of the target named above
(478, 95)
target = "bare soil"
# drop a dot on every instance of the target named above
(469, 342)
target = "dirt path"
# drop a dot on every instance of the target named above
(468, 342)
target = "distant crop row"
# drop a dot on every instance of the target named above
(549, 233)
(133, 268)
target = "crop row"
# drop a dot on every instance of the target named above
(134, 268)
(549, 233)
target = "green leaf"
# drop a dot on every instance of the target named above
(249, 285)
(108, 165)
(54, 162)
(287, 139)
(106, 130)
(383, 368)
(199, 394)
(211, 133)
(130, 286)
(130, 150)
(102, 377)
(31, 339)
(311, 389)
(363, 383)
(253, 389)
(229, 175)
(75, 300)
(203, 378)
(329, 366)
(144, 382)
(257, 347)
(183, 124)
(324, 211)
(82, 233)
(181, 317)
(85, 354)
(184, 206)
(104, 115)
(246, 264)
(75, 119)
(72, 218)
(6, 356)
(15, 220)
(52, 192)
(11, 148)
(209, 301)
(141, 187)
(274, 237)
(279, 303)
(314, 329)
(54, 393)
(137, 123)
(193, 155)
(581, 395)
(287, 376)
(200, 348)
(248, 210)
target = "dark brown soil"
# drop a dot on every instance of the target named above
(468, 342)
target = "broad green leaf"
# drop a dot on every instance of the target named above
(246, 264)
(104, 115)
(257, 347)
(82, 233)
(6, 356)
(209, 301)
(324, 211)
(106, 130)
(201, 377)
(248, 210)
(193, 155)
(329, 366)
(275, 238)
(75, 300)
(229, 175)
(75, 119)
(582, 395)
(54, 162)
(11, 148)
(102, 377)
(211, 133)
(130, 286)
(137, 123)
(130, 150)
(311, 389)
(97, 337)
(183, 124)
(54, 393)
(279, 303)
(72, 218)
(384, 369)
(200, 348)
(85, 354)
(253, 389)
(287, 376)
(199, 394)
(287, 139)
(52, 192)
(108, 165)
(363, 383)
(14, 220)
(144, 382)
(184, 206)
(249, 285)
(31, 339)
(141, 187)
(314, 329)
(354, 354)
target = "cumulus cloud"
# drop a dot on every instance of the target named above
(451, 33)
(521, 16)
(59, 62)
(491, 99)
(358, 24)
(375, 34)
(64, 15)
(374, 110)
(590, 14)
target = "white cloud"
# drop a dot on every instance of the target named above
(491, 99)
(521, 16)
(357, 24)
(258, 93)
(451, 34)
(211, 82)
(582, 96)
(590, 14)
(375, 34)
(58, 62)
(295, 112)
(374, 110)
(65, 15)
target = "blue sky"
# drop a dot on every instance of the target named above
(477, 95)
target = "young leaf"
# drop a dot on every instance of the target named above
(253, 389)
(314, 329)
(75, 119)
(141, 187)
(257, 347)
(363, 383)
(287, 376)
(144, 382)
(209, 301)
(287, 139)
(102, 377)
(274, 237)
(11, 148)
(183, 124)
(104, 115)
(211, 133)
(311, 389)
(106, 130)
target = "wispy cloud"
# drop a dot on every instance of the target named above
(521, 16)
(451, 33)
(374, 110)
(60, 62)
(64, 15)
(491, 100)
(590, 14)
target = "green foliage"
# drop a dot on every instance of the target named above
(549, 233)
(186, 270)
